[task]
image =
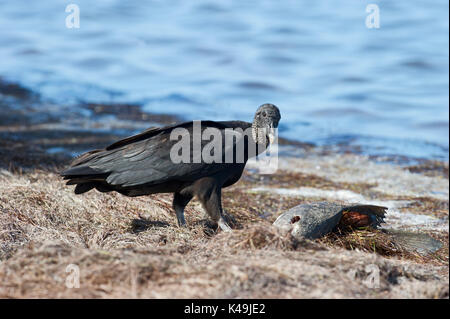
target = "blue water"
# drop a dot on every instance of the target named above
(336, 81)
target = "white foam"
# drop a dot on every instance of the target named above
(386, 178)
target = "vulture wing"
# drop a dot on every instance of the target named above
(145, 158)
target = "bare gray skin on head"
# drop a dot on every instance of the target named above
(266, 120)
(141, 165)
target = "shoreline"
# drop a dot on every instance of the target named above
(23, 110)
(131, 247)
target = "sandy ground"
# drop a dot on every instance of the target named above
(55, 244)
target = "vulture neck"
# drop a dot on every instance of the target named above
(259, 137)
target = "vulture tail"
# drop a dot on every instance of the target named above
(83, 176)
(84, 187)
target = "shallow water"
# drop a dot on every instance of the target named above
(336, 81)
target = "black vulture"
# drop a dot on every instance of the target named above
(150, 162)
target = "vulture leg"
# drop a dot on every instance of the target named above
(179, 203)
(212, 203)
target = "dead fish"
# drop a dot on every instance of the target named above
(315, 220)
(420, 243)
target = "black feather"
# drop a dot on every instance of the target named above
(83, 188)
(142, 164)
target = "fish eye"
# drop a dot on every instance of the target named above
(264, 114)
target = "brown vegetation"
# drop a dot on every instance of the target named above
(131, 247)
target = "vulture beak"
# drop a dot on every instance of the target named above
(271, 134)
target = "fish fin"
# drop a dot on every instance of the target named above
(420, 243)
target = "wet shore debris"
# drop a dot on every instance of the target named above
(316, 220)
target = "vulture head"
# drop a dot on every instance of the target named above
(264, 124)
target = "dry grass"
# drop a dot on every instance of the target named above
(430, 168)
(131, 247)
(427, 206)
(375, 241)
(288, 179)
